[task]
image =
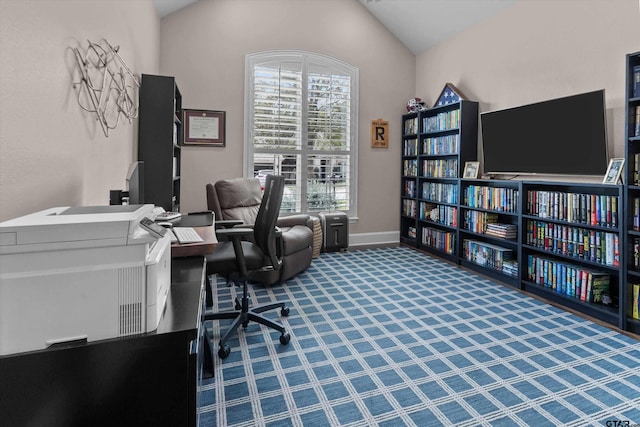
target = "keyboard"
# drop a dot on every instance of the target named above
(185, 235)
(165, 216)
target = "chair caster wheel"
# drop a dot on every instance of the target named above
(284, 311)
(224, 351)
(285, 338)
(245, 324)
(238, 306)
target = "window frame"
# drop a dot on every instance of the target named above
(304, 57)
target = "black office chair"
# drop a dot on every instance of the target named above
(238, 259)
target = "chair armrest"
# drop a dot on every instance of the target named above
(227, 223)
(298, 219)
(233, 232)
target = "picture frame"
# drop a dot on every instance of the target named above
(471, 170)
(379, 133)
(204, 127)
(614, 171)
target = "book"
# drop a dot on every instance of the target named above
(635, 311)
(600, 285)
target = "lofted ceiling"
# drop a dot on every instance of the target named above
(418, 24)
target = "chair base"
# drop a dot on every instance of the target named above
(243, 315)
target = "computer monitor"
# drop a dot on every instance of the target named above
(135, 183)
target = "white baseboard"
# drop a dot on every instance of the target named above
(384, 238)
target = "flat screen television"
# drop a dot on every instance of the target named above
(135, 183)
(563, 136)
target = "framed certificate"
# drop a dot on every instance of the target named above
(204, 127)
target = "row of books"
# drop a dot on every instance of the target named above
(592, 209)
(635, 302)
(494, 198)
(440, 192)
(410, 147)
(477, 221)
(502, 231)
(409, 208)
(409, 188)
(591, 245)
(411, 126)
(637, 121)
(440, 168)
(441, 121)
(438, 239)
(440, 214)
(410, 167)
(565, 278)
(490, 256)
(636, 81)
(448, 144)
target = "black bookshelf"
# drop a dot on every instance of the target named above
(160, 140)
(571, 233)
(447, 139)
(632, 194)
(490, 228)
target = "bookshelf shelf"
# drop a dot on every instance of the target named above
(631, 224)
(604, 313)
(510, 243)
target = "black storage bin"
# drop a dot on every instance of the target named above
(335, 231)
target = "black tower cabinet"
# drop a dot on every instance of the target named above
(335, 231)
(160, 140)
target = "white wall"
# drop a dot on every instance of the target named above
(204, 47)
(538, 50)
(52, 153)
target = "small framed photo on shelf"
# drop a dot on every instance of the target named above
(614, 171)
(204, 127)
(471, 170)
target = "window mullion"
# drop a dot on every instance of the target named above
(303, 179)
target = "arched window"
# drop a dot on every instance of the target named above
(301, 121)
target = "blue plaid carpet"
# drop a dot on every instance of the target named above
(393, 337)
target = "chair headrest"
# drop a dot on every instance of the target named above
(238, 192)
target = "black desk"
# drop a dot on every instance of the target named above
(142, 380)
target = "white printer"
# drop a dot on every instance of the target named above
(80, 273)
